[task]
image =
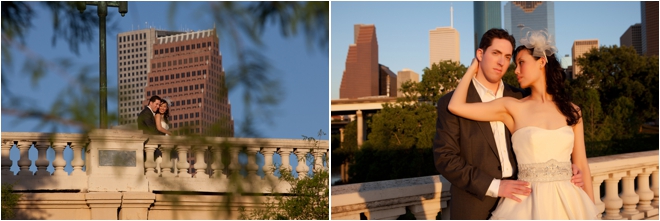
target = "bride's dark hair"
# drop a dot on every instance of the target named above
(554, 80)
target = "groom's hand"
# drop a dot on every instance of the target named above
(577, 176)
(510, 187)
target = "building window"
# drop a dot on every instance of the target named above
(151, 79)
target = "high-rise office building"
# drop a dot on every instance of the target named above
(649, 27)
(444, 44)
(185, 69)
(521, 17)
(403, 76)
(134, 54)
(633, 38)
(387, 82)
(361, 76)
(487, 15)
(566, 61)
(579, 48)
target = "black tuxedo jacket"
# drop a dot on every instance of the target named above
(465, 153)
(147, 122)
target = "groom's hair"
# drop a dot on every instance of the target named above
(487, 38)
(154, 98)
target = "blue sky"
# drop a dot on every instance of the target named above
(402, 29)
(302, 69)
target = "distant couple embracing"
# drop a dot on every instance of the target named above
(508, 154)
(155, 117)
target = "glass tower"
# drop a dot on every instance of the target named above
(521, 17)
(487, 15)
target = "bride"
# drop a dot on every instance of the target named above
(163, 118)
(547, 134)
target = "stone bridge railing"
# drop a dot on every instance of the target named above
(113, 174)
(635, 198)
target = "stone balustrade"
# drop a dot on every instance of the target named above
(426, 196)
(113, 174)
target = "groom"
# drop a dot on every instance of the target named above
(477, 157)
(146, 120)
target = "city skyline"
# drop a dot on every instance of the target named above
(403, 42)
(301, 111)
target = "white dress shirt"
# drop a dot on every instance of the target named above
(499, 133)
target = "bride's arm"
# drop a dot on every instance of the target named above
(579, 158)
(481, 111)
(159, 117)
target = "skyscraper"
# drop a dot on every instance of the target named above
(184, 68)
(403, 76)
(487, 15)
(579, 48)
(649, 28)
(521, 17)
(633, 38)
(134, 54)
(361, 76)
(444, 43)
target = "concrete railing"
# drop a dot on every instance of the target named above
(115, 170)
(426, 196)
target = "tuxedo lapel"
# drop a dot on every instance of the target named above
(473, 97)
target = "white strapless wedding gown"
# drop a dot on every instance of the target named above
(544, 160)
(164, 126)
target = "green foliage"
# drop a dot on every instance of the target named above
(403, 126)
(9, 201)
(617, 91)
(440, 79)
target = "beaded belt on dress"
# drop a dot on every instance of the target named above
(551, 170)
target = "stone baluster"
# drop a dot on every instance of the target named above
(654, 187)
(268, 168)
(42, 162)
(200, 162)
(6, 161)
(318, 160)
(77, 162)
(24, 162)
(59, 163)
(302, 167)
(629, 197)
(644, 191)
(166, 165)
(234, 166)
(252, 166)
(286, 164)
(326, 157)
(612, 201)
(150, 163)
(596, 182)
(217, 166)
(183, 164)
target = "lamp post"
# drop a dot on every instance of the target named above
(102, 8)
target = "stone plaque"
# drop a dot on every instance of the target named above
(117, 158)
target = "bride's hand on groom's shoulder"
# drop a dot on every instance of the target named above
(510, 187)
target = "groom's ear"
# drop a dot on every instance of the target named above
(480, 54)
